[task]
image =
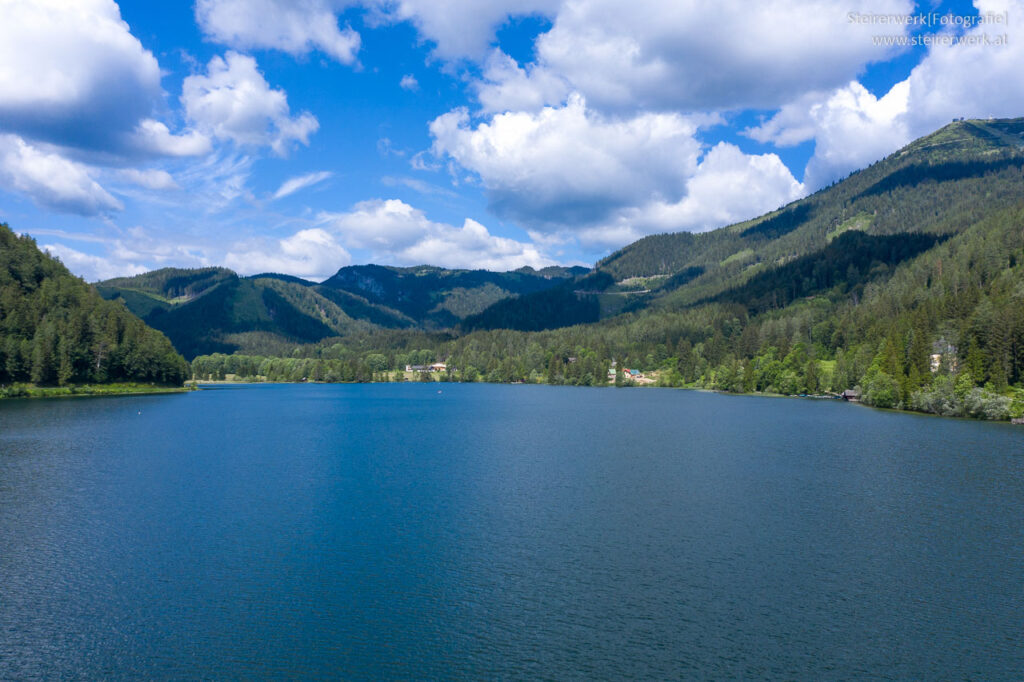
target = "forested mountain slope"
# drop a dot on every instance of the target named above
(437, 298)
(56, 330)
(941, 185)
(210, 310)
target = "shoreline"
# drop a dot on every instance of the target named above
(701, 389)
(29, 391)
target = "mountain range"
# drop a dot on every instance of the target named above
(210, 310)
(875, 217)
(903, 283)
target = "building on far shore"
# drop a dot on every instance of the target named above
(436, 367)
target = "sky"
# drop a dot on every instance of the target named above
(300, 136)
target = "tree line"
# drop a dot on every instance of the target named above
(55, 330)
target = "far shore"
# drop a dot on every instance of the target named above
(413, 378)
(87, 390)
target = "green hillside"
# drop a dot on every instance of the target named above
(213, 310)
(941, 184)
(904, 280)
(56, 331)
(437, 298)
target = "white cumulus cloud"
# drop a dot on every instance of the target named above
(233, 101)
(728, 186)
(568, 172)
(570, 166)
(71, 73)
(690, 55)
(852, 128)
(460, 29)
(394, 232)
(76, 86)
(156, 138)
(506, 86)
(296, 27)
(975, 79)
(52, 180)
(313, 253)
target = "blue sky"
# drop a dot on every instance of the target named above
(301, 136)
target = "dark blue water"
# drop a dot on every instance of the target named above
(395, 531)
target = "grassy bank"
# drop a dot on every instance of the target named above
(32, 391)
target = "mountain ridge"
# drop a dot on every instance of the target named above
(680, 269)
(213, 309)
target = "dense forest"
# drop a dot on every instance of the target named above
(904, 282)
(55, 330)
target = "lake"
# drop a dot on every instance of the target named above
(485, 531)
